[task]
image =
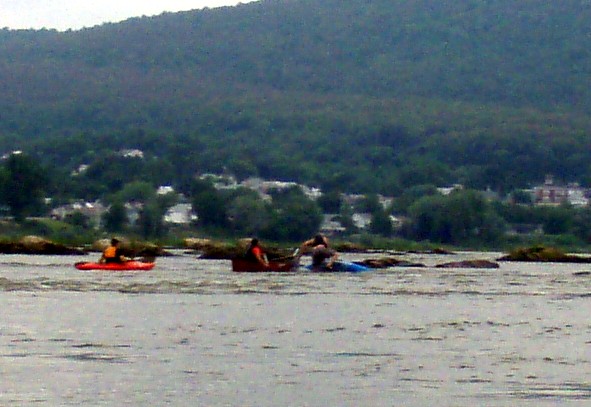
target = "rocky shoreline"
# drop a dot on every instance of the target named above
(544, 254)
(35, 245)
(211, 249)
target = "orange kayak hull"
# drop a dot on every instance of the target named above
(126, 266)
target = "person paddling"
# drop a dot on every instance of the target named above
(322, 255)
(113, 254)
(255, 253)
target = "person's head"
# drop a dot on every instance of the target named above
(319, 239)
(114, 242)
(254, 242)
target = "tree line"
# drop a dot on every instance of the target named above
(463, 218)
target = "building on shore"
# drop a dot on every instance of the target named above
(553, 194)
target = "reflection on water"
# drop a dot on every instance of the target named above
(191, 332)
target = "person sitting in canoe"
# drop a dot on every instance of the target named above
(112, 254)
(323, 257)
(255, 253)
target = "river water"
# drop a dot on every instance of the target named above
(192, 333)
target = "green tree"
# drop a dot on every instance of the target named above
(138, 191)
(295, 216)
(111, 172)
(370, 204)
(330, 202)
(515, 213)
(521, 197)
(249, 215)
(582, 224)
(23, 184)
(411, 195)
(79, 220)
(462, 217)
(381, 224)
(558, 220)
(150, 222)
(115, 219)
(209, 204)
(346, 218)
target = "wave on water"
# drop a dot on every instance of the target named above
(565, 391)
(159, 287)
(126, 284)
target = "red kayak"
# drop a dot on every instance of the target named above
(125, 266)
(246, 266)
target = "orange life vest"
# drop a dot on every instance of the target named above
(110, 252)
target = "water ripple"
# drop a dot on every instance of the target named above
(565, 391)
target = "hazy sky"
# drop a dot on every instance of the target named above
(75, 14)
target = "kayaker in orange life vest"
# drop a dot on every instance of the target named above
(112, 254)
(255, 253)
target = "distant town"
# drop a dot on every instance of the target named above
(549, 193)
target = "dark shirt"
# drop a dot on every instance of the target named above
(252, 252)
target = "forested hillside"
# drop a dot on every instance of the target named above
(352, 95)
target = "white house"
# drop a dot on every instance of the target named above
(131, 153)
(180, 214)
(330, 226)
(164, 190)
(362, 220)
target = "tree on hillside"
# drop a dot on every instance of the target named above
(331, 202)
(370, 204)
(115, 219)
(23, 182)
(114, 171)
(411, 195)
(346, 218)
(381, 223)
(558, 220)
(462, 217)
(79, 220)
(138, 191)
(208, 203)
(522, 197)
(582, 224)
(150, 221)
(249, 215)
(408, 93)
(295, 216)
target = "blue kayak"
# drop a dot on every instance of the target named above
(340, 266)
